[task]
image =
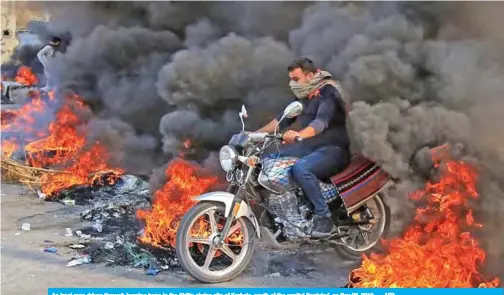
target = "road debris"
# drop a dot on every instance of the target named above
(109, 246)
(68, 232)
(41, 195)
(81, 235)
(152, 271)
(25, 227)
(68, 202)
(51, 250)
(84, 259)
(98, 226)
(76, 246)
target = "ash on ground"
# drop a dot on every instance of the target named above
(112, 235)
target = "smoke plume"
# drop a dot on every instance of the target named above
(420, 74)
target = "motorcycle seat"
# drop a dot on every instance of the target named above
(359, 180)
(358, 164)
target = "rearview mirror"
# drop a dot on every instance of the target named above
(243, 114)
(293, 110)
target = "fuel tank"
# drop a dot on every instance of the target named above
(275, 174)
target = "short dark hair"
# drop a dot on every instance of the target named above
(305, 64)
(55, 39)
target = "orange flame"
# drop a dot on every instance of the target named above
(437, 251)
(172, 201)
(22, 121)
(67, 146)
(26, 77)
(63, 146)
(8, 147)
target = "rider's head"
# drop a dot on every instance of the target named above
(55, 41)
(302, 70)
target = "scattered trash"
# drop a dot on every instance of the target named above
(81, 235)
(76, 246)
(98, 226)
(25, 227)
(84, 259)
(41, 195)
(68, 232)
(17, 234)
(68, 202)
(152, 271)
(139, 257)
(273, 275)
(50, 250)
(119, 240)
(48, 241)
(109, 245)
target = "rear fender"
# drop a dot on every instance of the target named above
(227, 199)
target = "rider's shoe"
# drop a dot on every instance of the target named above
(322, 227)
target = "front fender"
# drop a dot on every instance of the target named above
(227, 199)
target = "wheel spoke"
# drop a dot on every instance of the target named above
(229, 252)
(233, 229)
(199, 240)
(209, 258)
(213, 222)
(365, 236)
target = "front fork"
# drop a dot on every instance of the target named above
(237, 191)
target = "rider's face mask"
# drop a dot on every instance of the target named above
(301, 87)
(298, 89)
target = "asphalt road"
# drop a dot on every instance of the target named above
(27, 269)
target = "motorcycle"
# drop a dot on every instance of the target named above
(216, 238)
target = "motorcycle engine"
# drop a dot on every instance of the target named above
(293, 217)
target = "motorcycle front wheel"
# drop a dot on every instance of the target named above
(201, 250)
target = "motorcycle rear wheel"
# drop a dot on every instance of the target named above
(383, 224)
(185, 241)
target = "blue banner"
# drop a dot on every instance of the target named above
(268, 291)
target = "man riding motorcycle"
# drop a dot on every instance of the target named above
(324, 150)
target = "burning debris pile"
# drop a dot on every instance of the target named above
(438, 249)
(16, 90)
(115, 235)
(172, 201)
(56, 156)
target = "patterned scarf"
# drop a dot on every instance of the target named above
(312, 88)
(303, 90)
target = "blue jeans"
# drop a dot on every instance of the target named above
(313, 166)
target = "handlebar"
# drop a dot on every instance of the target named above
(280, 137)
(259, 136)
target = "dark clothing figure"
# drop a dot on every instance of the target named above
(326, 113)
(322, 155)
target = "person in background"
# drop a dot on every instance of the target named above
(45, 55)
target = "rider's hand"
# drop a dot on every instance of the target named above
(290, 136)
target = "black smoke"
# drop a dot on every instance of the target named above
(420, 74)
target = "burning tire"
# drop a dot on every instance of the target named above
(201, 251)
(352, 249)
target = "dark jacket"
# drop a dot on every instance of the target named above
(326, 113)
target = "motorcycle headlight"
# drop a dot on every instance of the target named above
(227, 157)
